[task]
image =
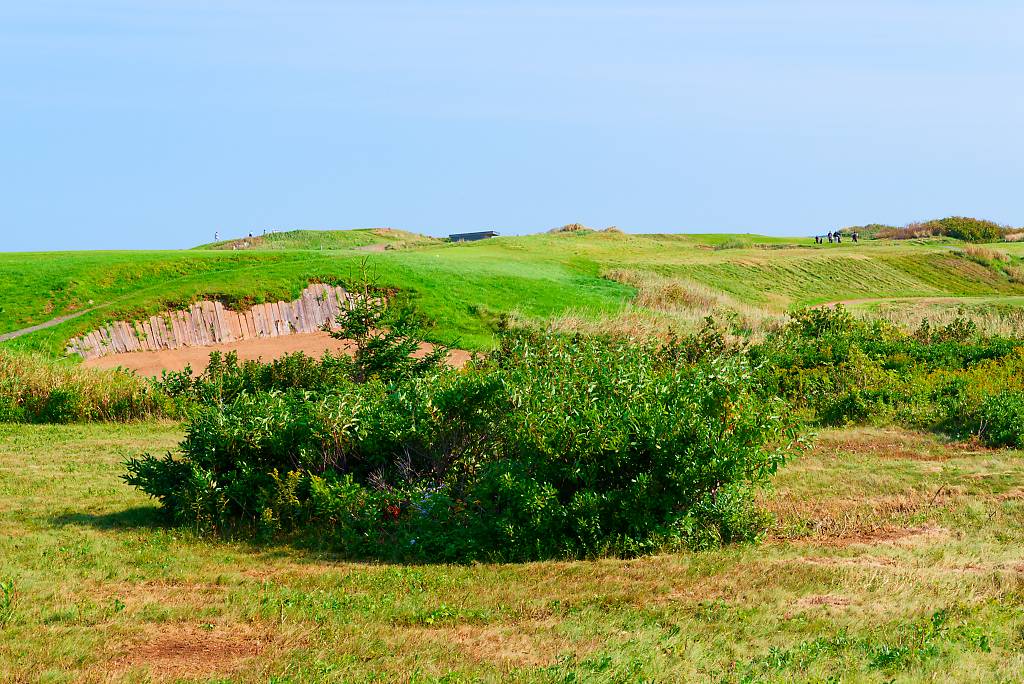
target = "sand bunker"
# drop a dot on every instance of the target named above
(268, 348)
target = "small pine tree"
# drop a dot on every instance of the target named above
(386, 335)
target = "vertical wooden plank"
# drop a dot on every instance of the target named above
(137, 335)
(234, 324)
(193, 334)
(189, 326)
(157, 333)
(259, 319)
(202, 331)
(268, 316)
(115, 338)
(280, 322)
(223, 331)
(250, 326)
(309, 307)
(180, 333)
(243, 326)
(175, 328)
(124, 333)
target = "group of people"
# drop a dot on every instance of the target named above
(836, 237)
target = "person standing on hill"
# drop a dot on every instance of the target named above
(839, 238)
(830, 237)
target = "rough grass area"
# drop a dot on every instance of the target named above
(896, 556)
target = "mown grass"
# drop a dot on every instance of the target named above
(467, 287)
(896, 557)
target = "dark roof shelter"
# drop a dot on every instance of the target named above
(470, 237)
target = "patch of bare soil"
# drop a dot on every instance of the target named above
(153, 363)
(171, 651)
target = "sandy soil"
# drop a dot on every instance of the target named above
(313, 344)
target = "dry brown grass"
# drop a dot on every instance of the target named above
(984, 255)
(684, 304)
(571, 228)
(186, 650)
(992, 321)
(531, 643)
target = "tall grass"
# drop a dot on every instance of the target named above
(985, 255)
(34, 389)
(664, 304)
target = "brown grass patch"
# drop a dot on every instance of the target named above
(824, 600)
(1011, 495)
(136, 595)
(890, 443)
(851, 520)
(171, 651)
(885, 535)
(983, 255)
(525, 644)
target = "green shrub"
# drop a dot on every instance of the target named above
(1001, 419)
(555, 447)
(225, 378)
(969, 229)
(959, 227)
(852, 406)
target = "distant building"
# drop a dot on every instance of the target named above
(470, 237)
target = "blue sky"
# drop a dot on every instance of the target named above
(152, 124)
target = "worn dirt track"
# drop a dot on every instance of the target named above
(267, 348)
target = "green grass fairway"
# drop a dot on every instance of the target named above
(896, 557)
(465, 287)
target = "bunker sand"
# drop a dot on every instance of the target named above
(152, 363)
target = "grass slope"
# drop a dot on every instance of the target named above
(465, 286)
(895, 557)
(323, 239)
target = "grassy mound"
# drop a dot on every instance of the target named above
(323, 239)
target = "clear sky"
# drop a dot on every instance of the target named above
(154, 123)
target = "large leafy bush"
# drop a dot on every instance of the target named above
(555, 447)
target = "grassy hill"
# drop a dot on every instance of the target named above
(324, 239)
(588, 278)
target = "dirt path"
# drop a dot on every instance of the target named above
(42, 326)
(313, 344)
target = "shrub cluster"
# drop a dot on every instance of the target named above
(34, 389)
(959, 227)
(841, 370)
(553, 447)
